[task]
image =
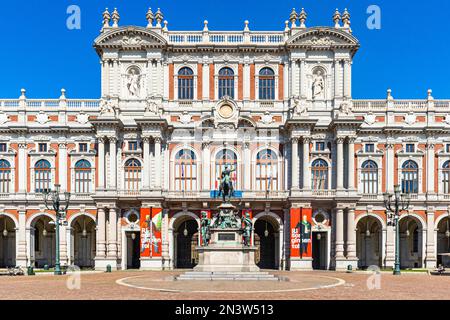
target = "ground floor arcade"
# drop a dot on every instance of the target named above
(339, 237)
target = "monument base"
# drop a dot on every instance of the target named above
(226, 259)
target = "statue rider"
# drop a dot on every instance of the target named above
(226, 177)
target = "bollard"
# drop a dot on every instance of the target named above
(30, 271)
(349, 268)
(108, 268)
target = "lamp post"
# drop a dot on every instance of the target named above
(54, 202)
(395, 203)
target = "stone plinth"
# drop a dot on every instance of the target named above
(226, 253)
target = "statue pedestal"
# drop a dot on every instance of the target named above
(226, 253)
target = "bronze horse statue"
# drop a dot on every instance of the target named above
(226, 186)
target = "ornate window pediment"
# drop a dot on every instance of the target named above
(323, 37)
(130, 38)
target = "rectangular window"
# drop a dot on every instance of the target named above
(320, 146)
(447, 148)
(132, 145)
(2, 147)
(42, 147)
(410, 148)
(82, 147)
(370, 147)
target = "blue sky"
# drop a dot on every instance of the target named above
(410, 53)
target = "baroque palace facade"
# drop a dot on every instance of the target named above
(142, 163)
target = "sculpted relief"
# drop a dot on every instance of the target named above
(318, 86)
(133, 82)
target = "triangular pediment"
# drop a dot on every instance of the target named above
(130, 38)
(323, 37)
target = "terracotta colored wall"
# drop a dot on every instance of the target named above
(240, 82)
(281, 82)
(171, 82)
(211, 82)
(252, 81)
(199, 82)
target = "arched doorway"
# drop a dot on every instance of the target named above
(410, 242)
(7, 242)
(369, 239)
(186, 240)
(43, 242)
(443, 242)
(83, 239)
(266, 240)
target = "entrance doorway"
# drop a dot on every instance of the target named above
(186, 242)
(83, 237)
(265, 242)
(319, 250)
(133, 250)
(43, 242)
(7, 242)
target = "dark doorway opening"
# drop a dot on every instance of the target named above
(319, 250)
(265, 242)
(187, 241)
(133, 249)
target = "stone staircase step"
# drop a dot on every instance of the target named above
(227, 276)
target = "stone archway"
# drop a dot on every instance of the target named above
(369, 238)
(411, 242)
(185, 234)
(267, 238)
(443, 242)
(43, 241)
(83, 240)
(7, 242)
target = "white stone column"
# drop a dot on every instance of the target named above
(347, 78)
(158, 165)
(351, 237)
(62, 157)
(101, 163)
(101, 233)
(430, 257)
(337, 77)
(430, 169)
(205, 89)
(146, 169)
(247, 167)
(113, 162)
(22, 170)
(390, 246)
(339, 234)
(63, 245)
(303, 92)
(351, 163)
(206, 172)
(340, 163)
(246, 81)
(306, 164)
(112, 239)
(294, 155)
(390, 167)
(21, 258)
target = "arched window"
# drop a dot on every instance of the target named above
(266, 84)
(226, 158)
(410, 177)
(132, 175)
(43, 176)
(369, 177)
(83, 177)
(185, 170)
(446, 177)
(266, 170)
(319, 172)
(226, 83)
(5, 176)
(185, 84)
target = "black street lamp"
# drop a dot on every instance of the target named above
(395, 203)
(54, 202)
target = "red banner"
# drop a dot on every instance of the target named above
(301, 233)
(151, 225)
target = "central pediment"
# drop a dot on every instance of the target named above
(323, 38)
(129, 38)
